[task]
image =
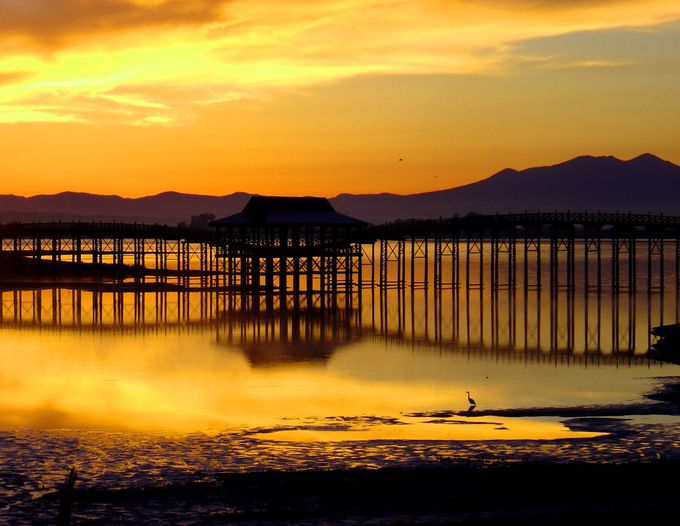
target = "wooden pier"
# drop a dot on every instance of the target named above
(336, 254)
(180, 256)
(508, 252)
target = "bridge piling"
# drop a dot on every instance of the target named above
(329, 259)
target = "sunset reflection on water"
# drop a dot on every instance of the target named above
(139, 389)
(185, 383)
(172, 365)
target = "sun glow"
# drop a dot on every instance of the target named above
(284, 84)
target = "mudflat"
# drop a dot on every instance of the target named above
(505, 493)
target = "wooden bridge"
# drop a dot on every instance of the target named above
(527, 220)
(490, 247)
(624, 251)
(167, 254)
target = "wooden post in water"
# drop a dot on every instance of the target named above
(419, 252)
(296, 248)
(322, 260)
(67, 498)
(553, 260)
(632, 261)
(334, 262)
(655, 251)
(677, 266)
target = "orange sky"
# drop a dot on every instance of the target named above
(135, 97)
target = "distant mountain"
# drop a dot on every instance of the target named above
(643, 184)
(166, 208)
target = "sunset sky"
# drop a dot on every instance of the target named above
(135, 97)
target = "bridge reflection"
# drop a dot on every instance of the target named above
(589, 328)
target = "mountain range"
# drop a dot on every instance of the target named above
(643, 184)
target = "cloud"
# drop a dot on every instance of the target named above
(589, 64)
(105, 107)
(12, 77)
(550, 4)
(55, 22)
(35, 113)
(630, 48)
(216, 51)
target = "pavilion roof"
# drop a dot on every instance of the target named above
(274, 210)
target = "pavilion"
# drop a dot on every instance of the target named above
(289, 243)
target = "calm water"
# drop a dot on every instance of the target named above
(142, 389)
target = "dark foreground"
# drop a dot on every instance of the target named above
(521, 493)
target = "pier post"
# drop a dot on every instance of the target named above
(655, 252)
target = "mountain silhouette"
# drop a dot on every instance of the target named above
(642, 184)
(165, 208)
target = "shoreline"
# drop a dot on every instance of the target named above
(469, 482)
(504, 493)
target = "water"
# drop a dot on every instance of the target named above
(141, 389)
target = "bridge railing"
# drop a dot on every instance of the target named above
(105, 229)
(480, 224)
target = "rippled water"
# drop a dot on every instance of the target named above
(140, 389)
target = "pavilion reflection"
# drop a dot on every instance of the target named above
(288, 330)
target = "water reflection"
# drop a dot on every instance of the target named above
(584, 327)
(195, 361)
(148, 385)
(280, 336)
(563, 324)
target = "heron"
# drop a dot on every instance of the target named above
(471, 401)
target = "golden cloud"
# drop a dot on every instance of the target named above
(54, 22)
(11, 77)
(191, 53)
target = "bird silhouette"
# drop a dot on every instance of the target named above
(470, 400)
